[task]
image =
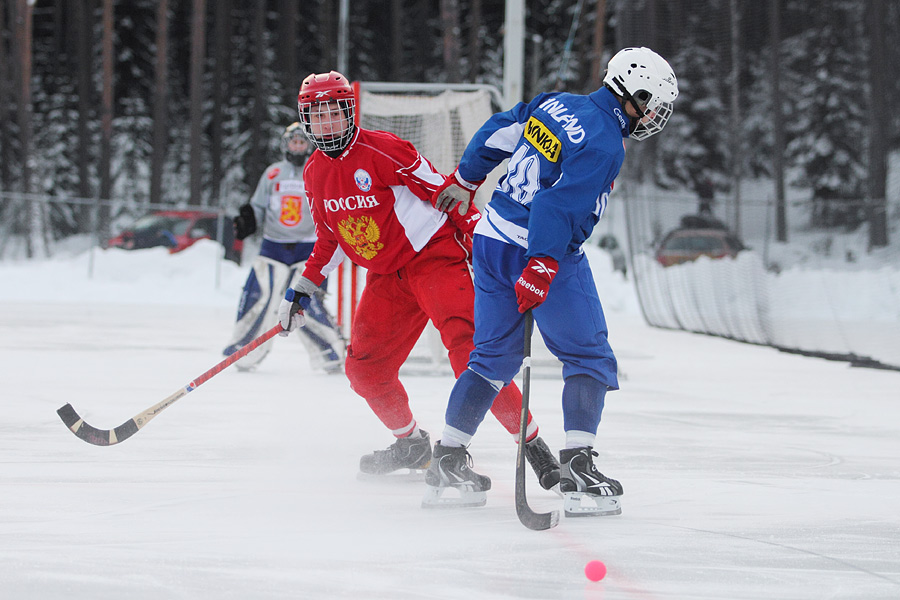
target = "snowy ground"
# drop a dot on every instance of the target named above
(748, 473)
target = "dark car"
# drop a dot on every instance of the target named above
(177, 230)
(683, 245)
(609, 243)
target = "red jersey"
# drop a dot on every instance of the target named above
(372, 204)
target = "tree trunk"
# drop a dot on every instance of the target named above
(35, 232)
(198, 56)
(476, 46)
(160, 103)
(736, 155)
(6, 86)
(876, 14)
(777, 122)
(84, 17)
(260, 100)
(328, 35)
(106, 116)
(397, 63)
(450, 27)
(287, 40)
(220, 92)
(597, 64)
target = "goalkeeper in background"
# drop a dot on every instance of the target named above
(279, 208)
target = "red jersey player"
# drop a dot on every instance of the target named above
(370, 194)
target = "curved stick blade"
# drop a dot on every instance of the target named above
(530, 519)
(92, 435)
(108, 437)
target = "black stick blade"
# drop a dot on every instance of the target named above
(530, 519)
(92, 435)
(536, 521)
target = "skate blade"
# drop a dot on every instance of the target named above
(580, 504)
(398, 476)
(456, 498)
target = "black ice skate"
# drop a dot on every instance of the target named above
(587, 491)
(543, 462)
(411, 454)
(451, 472)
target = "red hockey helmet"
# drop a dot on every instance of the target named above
(327, 110)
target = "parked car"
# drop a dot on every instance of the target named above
(609, 243)
(177, 230)
(683, 245)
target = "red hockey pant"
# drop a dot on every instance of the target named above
(391, 315)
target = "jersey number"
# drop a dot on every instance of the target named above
(523, 176)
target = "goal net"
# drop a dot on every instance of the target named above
(439, 120)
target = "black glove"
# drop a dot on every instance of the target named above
(245, 222)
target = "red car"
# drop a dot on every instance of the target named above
(177, 230)
(683, 245)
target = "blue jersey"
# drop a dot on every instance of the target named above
(564, 152)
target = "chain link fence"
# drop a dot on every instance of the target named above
(823, 292)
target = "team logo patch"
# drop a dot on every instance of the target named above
(542, 139)
(290, 210)
(362, 235)
(363, 180)
(273, 173)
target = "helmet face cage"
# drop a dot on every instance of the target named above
(295, 152)
(653, 121)
(645, 78)
(328, 124)
(327, 110)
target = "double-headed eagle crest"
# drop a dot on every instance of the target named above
(362, 235)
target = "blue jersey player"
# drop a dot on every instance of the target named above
(564, 152)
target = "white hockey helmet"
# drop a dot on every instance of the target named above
(644, 78)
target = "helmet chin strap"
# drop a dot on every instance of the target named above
(626, 97)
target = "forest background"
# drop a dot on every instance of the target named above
(181, 102)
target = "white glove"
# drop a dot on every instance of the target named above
(296, 300)
(455, 192)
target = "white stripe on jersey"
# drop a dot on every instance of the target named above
(506, 138)
(420, 219)
(336, 259)
(424, 172)
(493, 225)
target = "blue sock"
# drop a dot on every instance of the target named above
(471, 398)
(582, 401)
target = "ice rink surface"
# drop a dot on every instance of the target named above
(748, 473)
